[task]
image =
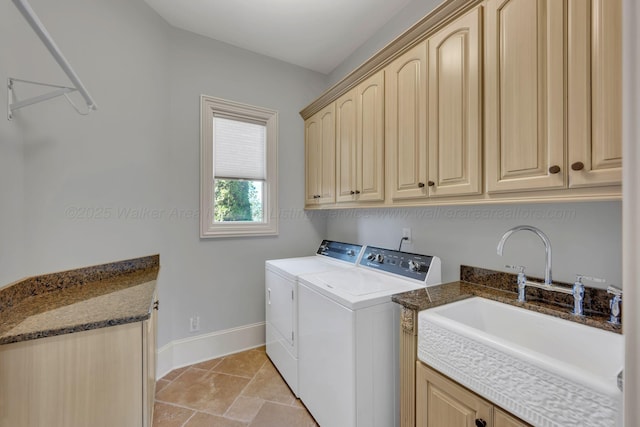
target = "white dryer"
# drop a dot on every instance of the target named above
(349, 337)
(281, 287)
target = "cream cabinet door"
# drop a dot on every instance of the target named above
(441, 402)
(595, 92)
(360, 142)
(405, 126)
(370, 137)
(525, 129)
(504, 419)
(90, 378)
(320, 157)
(346, 111)
(455, 111)
(149, 359)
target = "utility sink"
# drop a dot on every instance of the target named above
(546, 370)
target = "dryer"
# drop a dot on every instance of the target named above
(349, 337)
(281, 297)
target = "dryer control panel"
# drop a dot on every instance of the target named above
(425, 268)
(338, 250)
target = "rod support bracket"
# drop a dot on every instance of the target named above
(34, 22)
(13, 104)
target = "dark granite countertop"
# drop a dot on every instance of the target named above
(502, 287)
(78, 300)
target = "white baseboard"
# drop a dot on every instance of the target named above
(188, 351)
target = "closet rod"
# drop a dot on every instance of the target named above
(35, 23)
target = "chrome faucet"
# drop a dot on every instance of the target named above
(545, 240)
(576, 291)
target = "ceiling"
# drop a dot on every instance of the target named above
(314, 34)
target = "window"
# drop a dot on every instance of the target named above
(238, 178)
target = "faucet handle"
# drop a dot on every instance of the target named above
(581, 277)
(614, 291)
(522, 281)
(614, 304)
(519, 268)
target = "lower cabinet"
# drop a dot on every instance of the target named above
(504, 419)
(441, 402)
(100, 378)
(150, 356)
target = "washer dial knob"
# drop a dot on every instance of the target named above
(380, 258)
(414, 266)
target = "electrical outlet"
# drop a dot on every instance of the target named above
(194, 323)
(406, 232)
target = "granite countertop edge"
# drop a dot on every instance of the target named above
(78, 300)
(447, 293)
(81, 327)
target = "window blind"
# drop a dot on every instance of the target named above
(239, 149)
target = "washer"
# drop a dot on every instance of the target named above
(349, 329)
(281, 287)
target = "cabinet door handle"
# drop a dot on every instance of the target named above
(357, 191)
(554, 169)
(480, 422)
(431, 183)
(577, 166)
(353, 192)
(156, 305)
(421, 184)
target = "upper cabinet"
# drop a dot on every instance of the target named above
(455, 107)
(527, 133)
(346, 147)
(406, 124)
(370, 132)
(595, 92)
(434, 113)
(320, 157)
(360, 142)
(481, 101)
(524, 94)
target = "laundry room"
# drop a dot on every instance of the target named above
(160, 161)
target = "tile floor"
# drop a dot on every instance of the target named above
(239, 390)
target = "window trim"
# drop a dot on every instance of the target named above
(209, 106)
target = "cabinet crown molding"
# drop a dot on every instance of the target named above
(441, 15)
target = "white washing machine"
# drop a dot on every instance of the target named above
(349, 337)
(281, 287)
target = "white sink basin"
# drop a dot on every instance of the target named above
(546, 370)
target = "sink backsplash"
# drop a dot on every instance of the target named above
(596, 301)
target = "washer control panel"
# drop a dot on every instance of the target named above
(405, 264)
(338, 250)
